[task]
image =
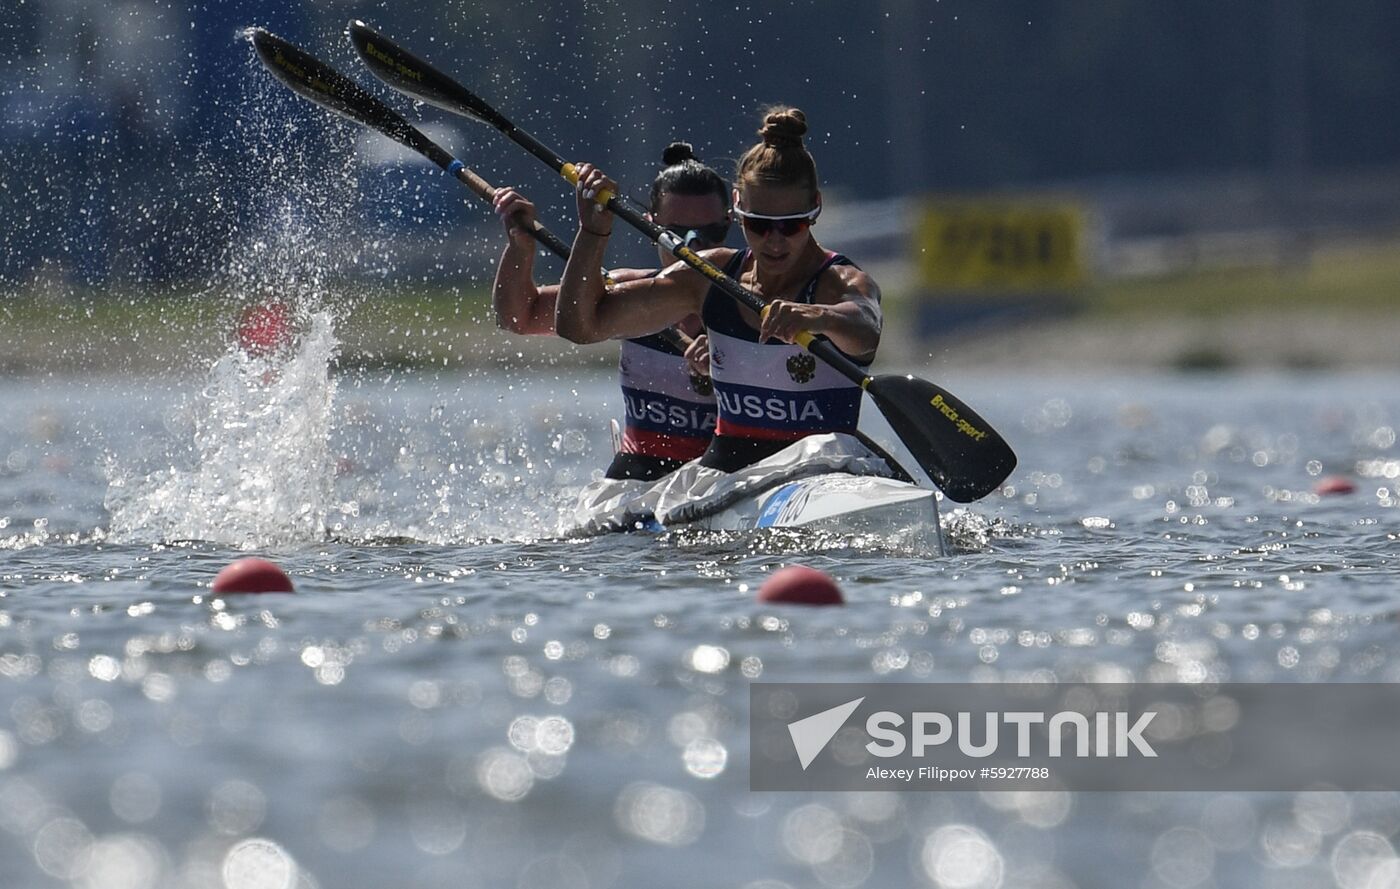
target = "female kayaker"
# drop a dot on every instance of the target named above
(770, 392)
(670, 405)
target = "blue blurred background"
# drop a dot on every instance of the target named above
(140, 136)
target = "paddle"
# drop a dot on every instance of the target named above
(312, 79)
(963, 455)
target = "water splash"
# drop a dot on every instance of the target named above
(264, 470)
(260, 471)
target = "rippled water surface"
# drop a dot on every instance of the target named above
(455, 697)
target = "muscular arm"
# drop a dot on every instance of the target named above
(845, 309)
(588, 312)
(520, 306)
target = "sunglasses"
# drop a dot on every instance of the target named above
(705, 235)
(787, 226)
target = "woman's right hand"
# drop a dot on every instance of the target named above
(592, 218)
(517, 214)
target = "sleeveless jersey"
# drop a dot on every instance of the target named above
(670, 412)
(773, 390)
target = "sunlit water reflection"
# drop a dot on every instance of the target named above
(456, 697)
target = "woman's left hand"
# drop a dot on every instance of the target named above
(783, 320)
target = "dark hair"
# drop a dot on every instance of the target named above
(684, 174)
(781, 158)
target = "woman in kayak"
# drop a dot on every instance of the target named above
(670, 405)
(770, 392)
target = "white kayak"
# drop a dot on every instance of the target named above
(851, 504)
(830, 482)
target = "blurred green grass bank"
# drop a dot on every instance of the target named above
(1337, 310)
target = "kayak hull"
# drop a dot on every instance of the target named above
(834, 501)
(831, 481)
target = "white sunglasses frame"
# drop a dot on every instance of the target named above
(811, 215)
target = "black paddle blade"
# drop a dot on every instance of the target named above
(959, 450)
(311, 78)
(413, 76)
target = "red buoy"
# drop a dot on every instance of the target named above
(265, 329)
(800, 585)
(1334, 484)
(252, 576)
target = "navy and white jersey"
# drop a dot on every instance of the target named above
(773, 390)
(670, 411)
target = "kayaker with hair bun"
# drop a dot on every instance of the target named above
(771, 393)
(670, 405)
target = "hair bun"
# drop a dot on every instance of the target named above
(678, 152)
(783, 127)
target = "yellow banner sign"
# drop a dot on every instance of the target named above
(1002, 246)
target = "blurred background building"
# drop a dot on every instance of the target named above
(142, 139)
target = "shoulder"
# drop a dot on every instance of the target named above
(842, 282)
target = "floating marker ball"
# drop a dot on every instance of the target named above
(265, 329)
(252, 576)
(1334, 484)
(800, 585)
